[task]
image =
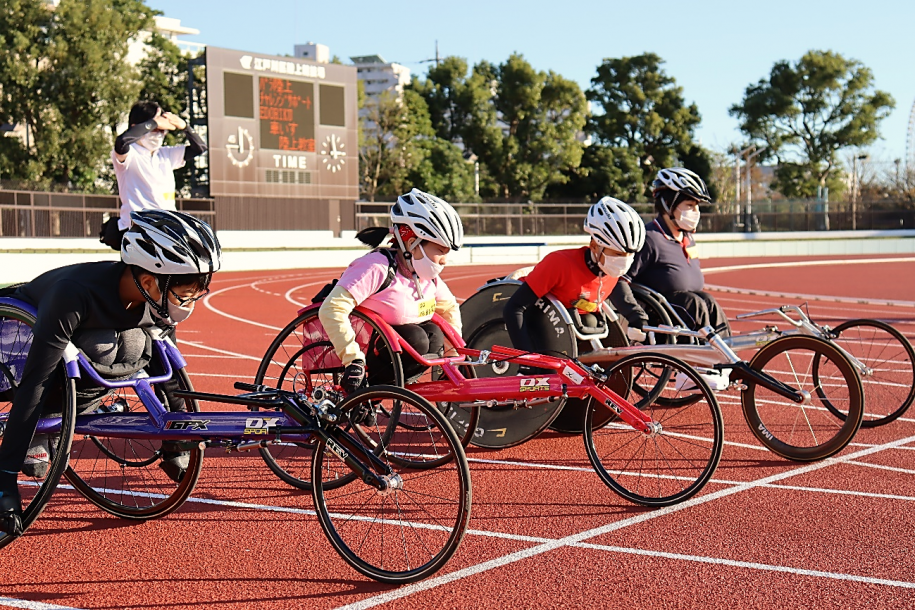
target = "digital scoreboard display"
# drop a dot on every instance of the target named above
(287, 114)
(281, 127)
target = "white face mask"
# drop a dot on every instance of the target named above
(152, 141)
(616, 266)
(425, 268)
(687, 220)
(176, 313)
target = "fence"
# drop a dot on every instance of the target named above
(37, 214)
(566, 219)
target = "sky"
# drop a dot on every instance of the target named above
(713, 49)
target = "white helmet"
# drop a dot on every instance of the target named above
(429, 217)
(170, 243)
(613, 223)
(684, 184)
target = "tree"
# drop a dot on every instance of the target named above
(807, 112)
(527, 133)
(642, 111)
(80, 81)
(401, 151)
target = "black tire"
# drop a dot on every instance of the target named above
(658, 315)
(301, 357)
(503, 427)
(889, 383)
(670, 466)
(424, 519)
(122, 476)
(15, 340)
(463, 417)
(808, 432)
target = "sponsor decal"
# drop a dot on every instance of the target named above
(337, 450)
(534, 384)
(260, 425)
(188, 424)
(571, 375)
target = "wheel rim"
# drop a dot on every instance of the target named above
(673, 465)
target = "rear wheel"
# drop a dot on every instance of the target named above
(674, 463)
(889, 376)
(123, 476)
(42, 473)
(811, 430)
(302, 358)
(409, 530)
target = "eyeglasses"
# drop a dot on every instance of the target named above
(187, 300)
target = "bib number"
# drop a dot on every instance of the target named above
(426, 307)
(585, 306)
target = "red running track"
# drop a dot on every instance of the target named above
(546, 532)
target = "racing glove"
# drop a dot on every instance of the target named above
(353, 376)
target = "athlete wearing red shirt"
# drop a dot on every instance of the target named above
(580, 278)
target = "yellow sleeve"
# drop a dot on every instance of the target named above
(451, 312)
(334, 316)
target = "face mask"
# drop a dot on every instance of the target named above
(616, 266)
(687, 220)
(176, 313)
(425, 268)
(152, 141)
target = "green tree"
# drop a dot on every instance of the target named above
(24, 25)
(808, 111)
(527, 133)
(80, 82)
(640, 109)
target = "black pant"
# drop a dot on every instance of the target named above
(700, 309)
(425, 338)
(111, 235)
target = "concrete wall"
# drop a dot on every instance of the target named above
(23, 258)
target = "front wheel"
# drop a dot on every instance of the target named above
(889, 369)
(673, 463)
(810, 430)
(409, 530)
(43, 469)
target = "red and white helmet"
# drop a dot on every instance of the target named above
(614, 224)
(683, 183)
(429, 217)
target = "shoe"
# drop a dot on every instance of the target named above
(174, 461)
(37, 458)
(10, 504)
(717, 381)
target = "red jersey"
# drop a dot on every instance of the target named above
(566, 275)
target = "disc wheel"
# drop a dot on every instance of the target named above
(302, 358)
(38, 481)
(408, 531)
(889, 375)
(811, 430)
(673, 463)
(123, 476)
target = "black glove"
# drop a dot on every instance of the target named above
(353, 376)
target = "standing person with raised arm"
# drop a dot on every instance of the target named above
(145, 168)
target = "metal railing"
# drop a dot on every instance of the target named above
(39, 214)
(566, 218)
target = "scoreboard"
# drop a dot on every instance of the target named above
(281, 127)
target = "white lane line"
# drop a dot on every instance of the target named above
(819, 263)
(499, 562)
(10, 602)
(843, 492)
(750, 565)
(882, 467)
(219, 312)
(219, 351)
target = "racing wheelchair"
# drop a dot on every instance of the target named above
(881, 355)
(375, 482)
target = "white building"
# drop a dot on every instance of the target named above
(313, 52)
(379, 76)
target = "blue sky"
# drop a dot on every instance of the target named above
(713, 49)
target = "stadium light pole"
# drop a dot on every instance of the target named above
(748, 223)
(854, 190)
(739, 155)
